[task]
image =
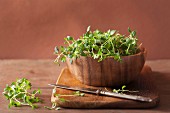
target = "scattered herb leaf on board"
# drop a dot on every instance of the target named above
(61, 99)
(122, 90)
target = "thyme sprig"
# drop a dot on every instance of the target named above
(18, 95)
(60, 96)
(123, 90)
(98, 45)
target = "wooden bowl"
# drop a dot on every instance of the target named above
(108, 72)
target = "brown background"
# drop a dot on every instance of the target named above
(32, 28)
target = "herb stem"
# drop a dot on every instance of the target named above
(20, 102)
(17, 93)
(98, 45)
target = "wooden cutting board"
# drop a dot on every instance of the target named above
(144, 85)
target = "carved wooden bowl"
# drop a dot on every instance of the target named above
(108, 72)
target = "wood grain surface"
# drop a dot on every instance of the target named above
(144, 85)
(108, 72)
(43, 72)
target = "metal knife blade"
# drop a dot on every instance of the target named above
(107, 93)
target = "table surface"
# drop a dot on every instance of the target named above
(42, 72)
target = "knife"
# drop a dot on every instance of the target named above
(102, 92)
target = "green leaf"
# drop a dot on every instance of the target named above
(63, 59)
(33, 107)
(34, 92)
(62, 99)
(70, 56)
(39, 91)
(88, 28)
(69, 38)
(78, 93)
(57, 95)
(133, 33)
(7, 97)
(123, 87)
(37, 99)
(56, 49)
(9, 106)
(83, 54)
(95, 47)
(112, 32)
(129, 30)
(115, 91)
(17, 104)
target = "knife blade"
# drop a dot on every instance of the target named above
(102, 92)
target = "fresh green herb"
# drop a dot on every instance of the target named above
(122, 90)
(58, 96)
(98, 45)
(18, 95)
(76, 93)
